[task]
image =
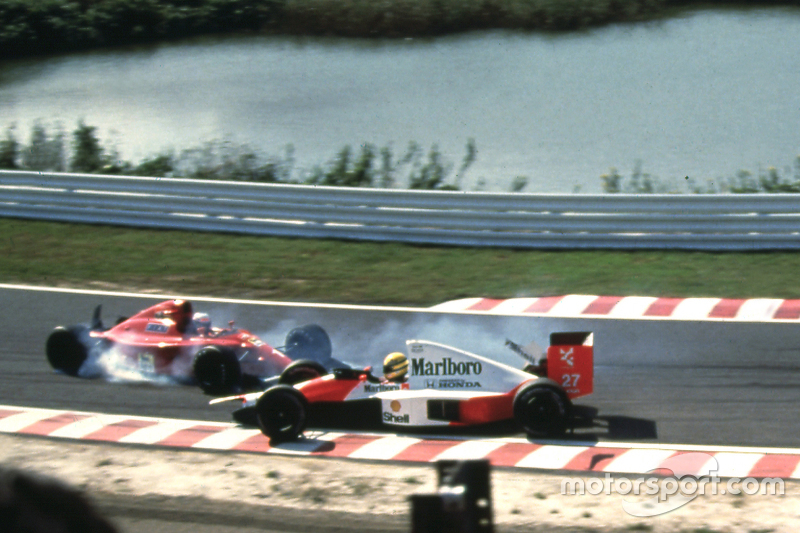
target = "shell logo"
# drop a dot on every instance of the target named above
(395, 405)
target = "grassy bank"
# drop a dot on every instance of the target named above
(48, 26)
(369, 273)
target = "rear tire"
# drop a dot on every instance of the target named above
(281, 413)
(217, 370)
(542, 410)
(300, 371)
(65, 351)
(309, 342)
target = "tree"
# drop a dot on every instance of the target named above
(88, 155)
(9, 151)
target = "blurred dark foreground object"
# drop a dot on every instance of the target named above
(463, 503)
(35, 504)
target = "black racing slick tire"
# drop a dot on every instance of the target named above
(66, 352)
(542, 410)
(300, 371)
(281, 413)
(309, 342)
(217, 370)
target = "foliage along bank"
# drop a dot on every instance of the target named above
(768, 180)
(29, 27)
(370, 166)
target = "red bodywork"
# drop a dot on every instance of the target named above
(163, 339)
(443, 386)
(486, 394)
(572, 367)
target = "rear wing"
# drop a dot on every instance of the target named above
(570, 362)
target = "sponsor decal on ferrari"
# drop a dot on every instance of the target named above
(156, 328)
(147, 362)
(446, 367)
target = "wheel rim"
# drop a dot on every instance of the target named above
(283, 416)
(543, 405)
(207, 374)
(543, 412)
(215, 373)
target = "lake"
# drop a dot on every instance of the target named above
(703, 96)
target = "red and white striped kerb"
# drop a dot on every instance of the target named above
(622, 458)
(633, 307)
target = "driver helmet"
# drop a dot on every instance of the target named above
(395, 367)
(202, 322)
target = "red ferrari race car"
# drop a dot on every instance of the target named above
(432, 387)
(169, 340)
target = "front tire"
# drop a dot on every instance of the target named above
(308, 342)
(65, 351)
(281, 413)
(300, 371)
(542, 410)
(217, 370)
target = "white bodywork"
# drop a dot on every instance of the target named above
(410, 407)
(439, 367)
(435, 371)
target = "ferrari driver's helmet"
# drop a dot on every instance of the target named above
(202, 321)
(395, 367)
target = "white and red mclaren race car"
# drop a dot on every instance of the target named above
(444, 387)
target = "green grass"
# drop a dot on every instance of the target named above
(206, 264)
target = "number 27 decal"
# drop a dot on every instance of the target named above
(570, 380)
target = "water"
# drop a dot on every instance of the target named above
(703, 96)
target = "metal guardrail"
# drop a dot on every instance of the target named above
(520, 220)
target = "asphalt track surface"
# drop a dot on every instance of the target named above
(656, 381)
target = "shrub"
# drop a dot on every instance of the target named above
(44, 153)
(224, 160)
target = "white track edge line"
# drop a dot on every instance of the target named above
(431, 310)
